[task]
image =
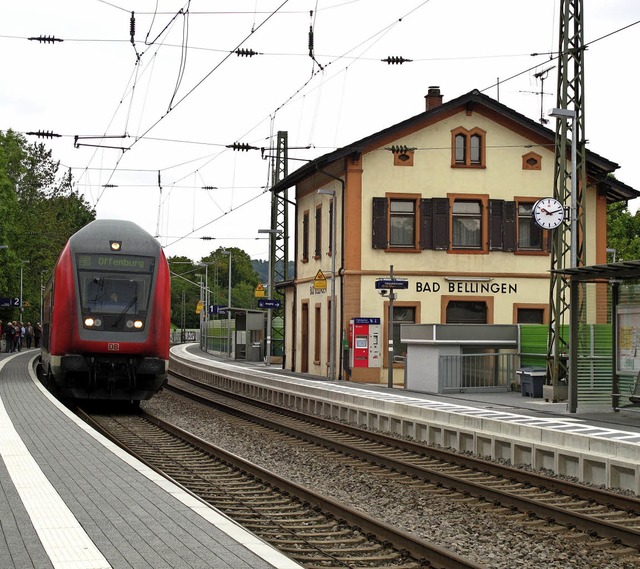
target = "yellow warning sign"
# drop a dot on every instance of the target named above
(320, 281)
(259, 292)
(199, 307)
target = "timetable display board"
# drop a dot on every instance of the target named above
(628, 348)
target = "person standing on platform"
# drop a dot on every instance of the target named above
(28, 335)
(8, 336)
(37, 334)
(17, 336)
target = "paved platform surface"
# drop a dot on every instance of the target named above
(70, 499)
(607, 422)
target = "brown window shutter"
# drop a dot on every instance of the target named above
(440, 223)
(496, 218)
(305, 236)
(510, 241)
(426, 224)
(379, 237)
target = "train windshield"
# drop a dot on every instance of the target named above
(114, 284)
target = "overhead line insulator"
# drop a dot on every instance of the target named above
(46, 39)
(242, 146)
(242, 52)
(396, 60)
(400, 149)
(44, 134)
(132, 27)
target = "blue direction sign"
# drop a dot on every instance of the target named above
(268, 303)
(5, 302)
(364, 320)
(391, 283)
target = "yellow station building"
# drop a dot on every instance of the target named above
(445, 198)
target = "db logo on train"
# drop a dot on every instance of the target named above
(113, 347)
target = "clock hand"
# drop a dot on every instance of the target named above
(550, 212)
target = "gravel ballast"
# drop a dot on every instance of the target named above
(489, 538)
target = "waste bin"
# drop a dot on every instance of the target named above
(254, 352)
(531, 381)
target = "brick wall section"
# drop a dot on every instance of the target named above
(352, 240)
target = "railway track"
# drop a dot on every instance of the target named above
(594, 511)
(316, 531)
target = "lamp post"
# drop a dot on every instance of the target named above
(272, 233)
(225, 252)
(389, 293)
(332, 317)
(41, 296)
(206, 306)
(571, 114)
(390, 348)
(22, 264)
(572, 371)
(199, 277)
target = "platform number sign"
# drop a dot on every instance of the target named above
(6, 302)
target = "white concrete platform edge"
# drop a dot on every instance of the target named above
(569, 447)
(63, 538)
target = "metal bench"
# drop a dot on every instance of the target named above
(635, 394)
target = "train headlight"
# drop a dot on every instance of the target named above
(91, 322)
(137, 324)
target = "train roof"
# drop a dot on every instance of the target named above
(99, 235)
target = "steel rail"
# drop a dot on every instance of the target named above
(421, 550)
(618, 533)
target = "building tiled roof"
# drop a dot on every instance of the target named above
(599, 169)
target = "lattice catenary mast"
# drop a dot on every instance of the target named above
(570, 96)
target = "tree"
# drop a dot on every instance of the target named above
(212, 269)
(185, 292)
(623, 232)
(39, 211)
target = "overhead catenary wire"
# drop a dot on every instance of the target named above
(183, 53)
(361, 58)
(200, 82)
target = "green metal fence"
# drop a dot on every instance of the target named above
(595, 361)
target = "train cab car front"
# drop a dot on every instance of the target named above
(107, 314)
(100, 376)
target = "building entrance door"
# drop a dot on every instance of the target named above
(304, 337)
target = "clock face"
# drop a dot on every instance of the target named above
(548, 213)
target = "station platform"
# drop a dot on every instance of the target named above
(70, 499)
(594, 445)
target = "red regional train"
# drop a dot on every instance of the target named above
(106, 315)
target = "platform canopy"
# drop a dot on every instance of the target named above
(613, 274)
(626, 270)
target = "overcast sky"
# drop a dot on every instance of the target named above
(179, 95)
